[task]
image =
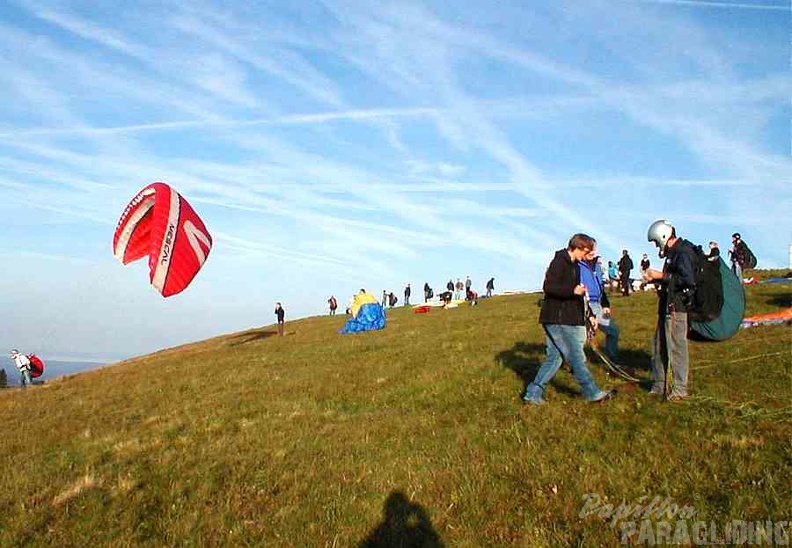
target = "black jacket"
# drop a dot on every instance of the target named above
(560, 304)
(679, 277)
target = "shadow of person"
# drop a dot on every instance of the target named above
(251, 336)
(405, 524)
(525, 359)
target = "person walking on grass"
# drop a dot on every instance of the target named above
(677, 283)
(591, 276)
(280, 313)
(490, 287)
(23, 364)
(564, 322)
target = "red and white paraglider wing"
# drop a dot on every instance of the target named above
(161, 224)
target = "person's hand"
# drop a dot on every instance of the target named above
(653, 274)
(606, 311)
(580, 289)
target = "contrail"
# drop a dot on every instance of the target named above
(706, 4)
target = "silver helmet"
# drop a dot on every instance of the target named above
(660, 232)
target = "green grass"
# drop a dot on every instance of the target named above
(305, 440)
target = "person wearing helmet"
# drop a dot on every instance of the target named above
(23, 364)
(739, 255)
(676, 284)
(563, 319)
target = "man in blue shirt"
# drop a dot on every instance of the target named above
(591, 276)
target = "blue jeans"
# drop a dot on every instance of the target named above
(609, 327)
(25, 378)
(563, 341)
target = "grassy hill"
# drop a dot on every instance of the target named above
(412, 432)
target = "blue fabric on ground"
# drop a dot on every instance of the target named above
(370, 317)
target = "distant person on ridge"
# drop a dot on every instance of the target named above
(564, 322)
(490, 287)
(625, 267)
(450, 287)
(739, 255)
(333, 305)
(280, 313)
(460, 287)
(23, 364)
(714, 251)
(407, 293)
(644, 265)
(613, 275)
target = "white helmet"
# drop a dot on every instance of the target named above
(660, 232)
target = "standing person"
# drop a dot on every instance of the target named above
(613, 275)
(490, 287)
(384, 298)
(468, 284)
(280, 313)
(677, 283)
(333, 304)
(407, 292)
(591, 276)
(23, 364)
(459, 288)
(739, 255)
(625, 266)
(644, 265)
(563, 319)
(714, 251)
(427, 292)
(450, 288)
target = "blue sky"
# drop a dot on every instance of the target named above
(330, 146)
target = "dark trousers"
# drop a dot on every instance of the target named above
(625, 283)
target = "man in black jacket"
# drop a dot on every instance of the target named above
(677, 282)
(563, 319)
(625, 266)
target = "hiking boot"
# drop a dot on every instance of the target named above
(602, 396)
(655, 392)
(533, 401)
(677, 397)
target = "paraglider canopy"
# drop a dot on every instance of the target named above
(160, 224)
(367, 314)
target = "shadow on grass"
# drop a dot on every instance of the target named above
(404, 523)
(251, 336)
(784, 301)
(525, 359)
